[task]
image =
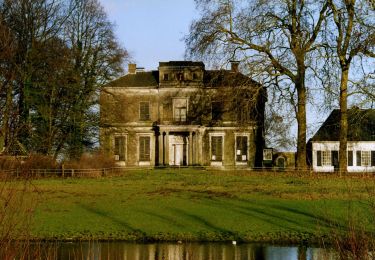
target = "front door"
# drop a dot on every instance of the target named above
(177, 151)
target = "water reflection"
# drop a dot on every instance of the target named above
(214, 251)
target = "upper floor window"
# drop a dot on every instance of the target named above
(165, 76)
(144, 111)
(180, 106)
(216, 110)
(195, 76)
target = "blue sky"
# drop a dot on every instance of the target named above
(151, 30)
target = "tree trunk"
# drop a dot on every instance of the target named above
(301, 138)
(7, 110)
(301, 120)
(343, 120)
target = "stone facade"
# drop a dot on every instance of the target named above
(183, 115)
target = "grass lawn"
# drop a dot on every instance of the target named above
(162, 205)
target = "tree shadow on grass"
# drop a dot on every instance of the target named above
(271, 211)
(109, 216)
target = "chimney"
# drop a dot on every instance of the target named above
(234, 66)
(132, 67)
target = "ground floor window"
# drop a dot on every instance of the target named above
(144, 149)
(216, 148)
(119, 148)
(324, 158)
(366, 158)
(241, 148)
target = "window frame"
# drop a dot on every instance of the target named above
(366, 158)
(180, 108)
(217, 162)
(140, 160)
(125, 136)
(241, 162)
(326, 157)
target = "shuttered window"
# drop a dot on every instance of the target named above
(144, 111)
(119, 148)
(372, 158)
(216, 148)
(241, 148)
(144, 149)
(350, 158)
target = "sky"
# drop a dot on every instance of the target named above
(151, 30)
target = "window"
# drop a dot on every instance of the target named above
(372, 158)
(165, 76)
(195, 76)
(350, 158)
(326, 158)
(241, 148)
(119, 149)
(216, 148)
(180, 76)
(216, 110)
(366, 158)
(144, 148)
(267, 154)
(179, 109)
(144, 111)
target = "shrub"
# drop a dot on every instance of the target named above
(96, 160)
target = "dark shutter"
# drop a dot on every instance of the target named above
(350, 158)
(144, 111)
(319, 158)
(372, 158)
(335, 159)
(144, 148)
(359, 158)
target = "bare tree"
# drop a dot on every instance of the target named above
(97, 58)
(353, 36)
(276, 37)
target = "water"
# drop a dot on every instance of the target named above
(186, 251)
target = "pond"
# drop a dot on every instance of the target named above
(182, 251)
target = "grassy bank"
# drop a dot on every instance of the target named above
(162, 205)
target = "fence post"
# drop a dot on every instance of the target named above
(62, 170)
(72, 172)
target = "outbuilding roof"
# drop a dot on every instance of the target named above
(361, 126)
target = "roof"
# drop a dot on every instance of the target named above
(222, 78)
(181, 64)
(140, 79)
(212, 78)
(361, 126)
